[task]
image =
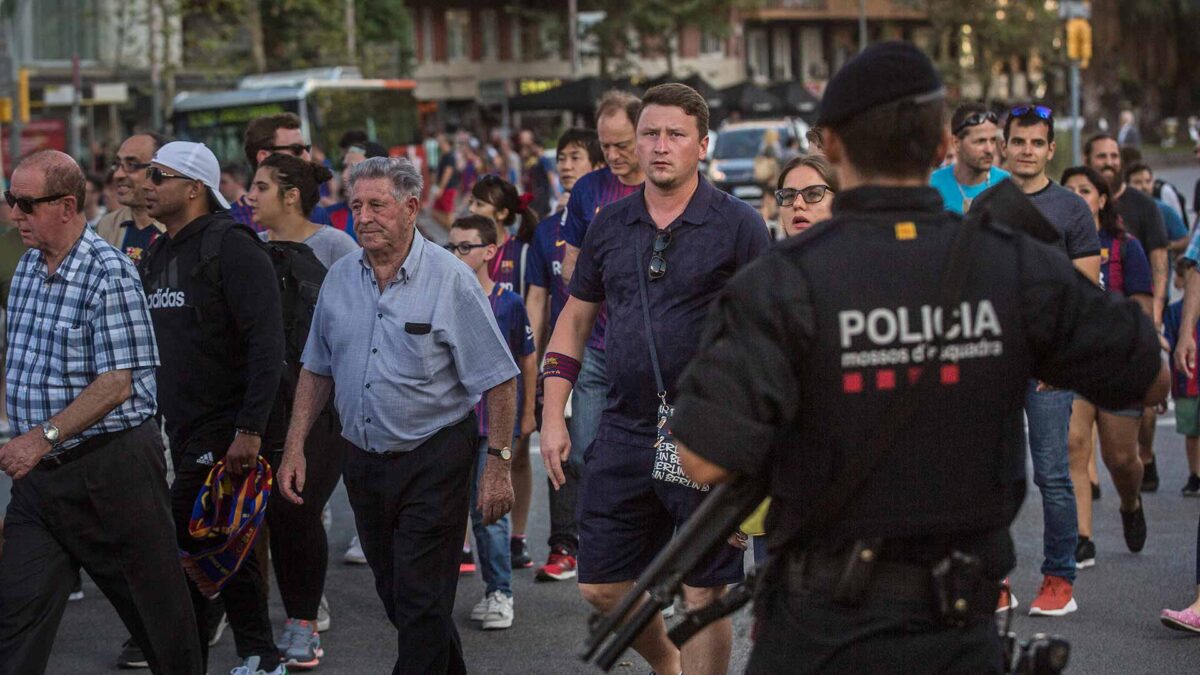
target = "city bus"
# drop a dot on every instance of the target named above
(329, 102)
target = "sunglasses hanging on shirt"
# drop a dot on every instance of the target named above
(658, 263)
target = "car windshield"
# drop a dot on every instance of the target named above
(743, 143)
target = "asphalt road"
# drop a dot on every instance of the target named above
(1116, 629)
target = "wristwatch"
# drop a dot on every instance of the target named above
(50, 433)
(504, 453)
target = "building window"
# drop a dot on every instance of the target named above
(550, 36)
(62, 28)
(427, 36)
(490, 24)
(458, 31)
(758, 54)
(781, 44)
(711, 44)
(516, 27)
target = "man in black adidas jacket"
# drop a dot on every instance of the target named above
(220, 336)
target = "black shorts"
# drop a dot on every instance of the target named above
(626, 517)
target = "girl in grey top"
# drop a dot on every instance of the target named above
(283, 194)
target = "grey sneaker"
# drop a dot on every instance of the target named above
(251, 667)
(323, 618)
(480, 609)
(354, 554)
(300, 644)
(499, 613)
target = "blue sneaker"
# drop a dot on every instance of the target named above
(300, 644)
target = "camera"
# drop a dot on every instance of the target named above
(1039, 655)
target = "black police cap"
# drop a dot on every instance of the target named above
(883, 73)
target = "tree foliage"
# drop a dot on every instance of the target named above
(651, 28)
(985, 38)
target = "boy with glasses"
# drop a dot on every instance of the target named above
(975, 137)
(473, 240)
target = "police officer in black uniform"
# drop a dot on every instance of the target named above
(812, 353)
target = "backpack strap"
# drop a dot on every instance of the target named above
(1116, 268)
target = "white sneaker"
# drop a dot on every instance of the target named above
(480, 609)
(250, 667)
(354, 554)
(327, 517)
(499, 612)
(323, 618)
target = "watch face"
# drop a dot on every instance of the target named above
(506, 454)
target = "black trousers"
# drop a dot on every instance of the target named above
(299, 547)
(109, 513)
(245, 594)
(410, 509)
(806, 632)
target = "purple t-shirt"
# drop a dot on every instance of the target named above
(591, 193)
(507, 269)
(514, 326)
(545, 263)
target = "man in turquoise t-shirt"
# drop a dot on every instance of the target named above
(975, 133)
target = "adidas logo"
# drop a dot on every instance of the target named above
(165, 298)
(206, 459)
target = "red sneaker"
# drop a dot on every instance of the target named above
(1054, 599)
(560, 565)
(1007, 599)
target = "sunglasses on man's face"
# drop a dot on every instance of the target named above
(27, 204)
(158, 176)
(294, 149)
(129, 165)
(974, 121)
(812, 194)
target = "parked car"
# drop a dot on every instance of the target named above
(731, 158)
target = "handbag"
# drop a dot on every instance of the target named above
(666, 455)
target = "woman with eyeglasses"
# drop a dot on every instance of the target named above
(805, 193)
(1124, 270)
(282, 197)
(497, 199)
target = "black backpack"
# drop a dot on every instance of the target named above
(300, 274)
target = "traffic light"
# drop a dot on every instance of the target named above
(23, 95)
(1079, 41)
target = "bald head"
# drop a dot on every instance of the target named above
(60, 174)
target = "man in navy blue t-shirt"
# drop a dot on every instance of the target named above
(578, 153)
(684, 239)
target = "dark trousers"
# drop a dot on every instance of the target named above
(299, 547)
(245, 594)
(109, 513)
(807, 632)
(410, 509)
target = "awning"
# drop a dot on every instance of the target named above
(579, 96)
(710, 93)
(752, 99)
(798, 99)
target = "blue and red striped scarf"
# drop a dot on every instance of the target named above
(227, 514)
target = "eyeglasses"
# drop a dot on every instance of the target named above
(296, 149)
(975, 120)
(812, 194)
(129, 165)
(27, 204)
(658, 263)
(1041, 111)
(462, 248)
(157, 175)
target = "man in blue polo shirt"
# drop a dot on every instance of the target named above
(975, 138)
(657, 258)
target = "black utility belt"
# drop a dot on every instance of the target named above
(954, 588)
(83, 449)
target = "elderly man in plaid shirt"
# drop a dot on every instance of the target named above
(87, 464)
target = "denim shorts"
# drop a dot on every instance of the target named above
(626, 517)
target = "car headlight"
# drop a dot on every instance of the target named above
(715, 174)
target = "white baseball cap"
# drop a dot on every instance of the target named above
(195, 161)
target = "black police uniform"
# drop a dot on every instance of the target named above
(812, 345)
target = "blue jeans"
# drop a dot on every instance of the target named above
(590, 396)
(1049, 415)
(491, 541)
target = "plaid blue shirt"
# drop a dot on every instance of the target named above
(65, 330)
